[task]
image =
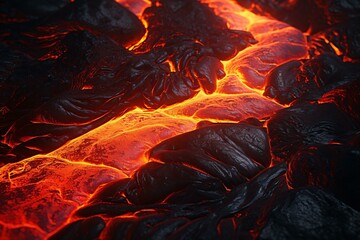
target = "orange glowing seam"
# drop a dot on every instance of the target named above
(332, 45)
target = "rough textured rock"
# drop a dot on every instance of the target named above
(346, 98)
(309, 79)
(198, 211)
(240, 150)
(311, 213)
(332, 167)
(342, 39)
(22, 11)
(311, 15)
(105, 17)
(308, 124)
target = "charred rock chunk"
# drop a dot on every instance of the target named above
(342, 39)
(236, 205)
(204, 218)
(81, 58)
(311, 213)
(91, 62)
(282, 83)
(26, 84)
(309, 80)
(155, 181)
(111, 192)
(187, 41)
(159, 85)
(193, 166)
(22, 11)
(179, 200)
(295, 13)
(191, 20)
(331, 167)
(233, 153)
(346, 98)
(308, 124)
(105, 17)
(311, 15)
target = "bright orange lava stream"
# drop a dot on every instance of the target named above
(43, 191)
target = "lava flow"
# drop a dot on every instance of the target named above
(143, 119)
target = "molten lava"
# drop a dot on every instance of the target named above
(41, 193)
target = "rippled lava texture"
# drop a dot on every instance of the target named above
(68, 67)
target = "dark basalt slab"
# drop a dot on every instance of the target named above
(309, 79)
(342, 39)
(311, 213)
(308, 15)
(308, 124)
(331, 167)
(105, 17)
(346, 98)
(190, 19)
(232, 152)
(23, 11)
(200, 218)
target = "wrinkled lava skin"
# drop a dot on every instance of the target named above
(175, 124)
(124, 80)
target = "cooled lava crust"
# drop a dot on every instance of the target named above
(179, 119)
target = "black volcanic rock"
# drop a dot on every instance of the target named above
(342, 39)
(308, 124)
(311, 213)
(201, 216)
(106, 17)
(191, 20)
(332, 167)
(307, 15)
(346, 98)
(309, 79)
(23, 11)
(240, 151)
